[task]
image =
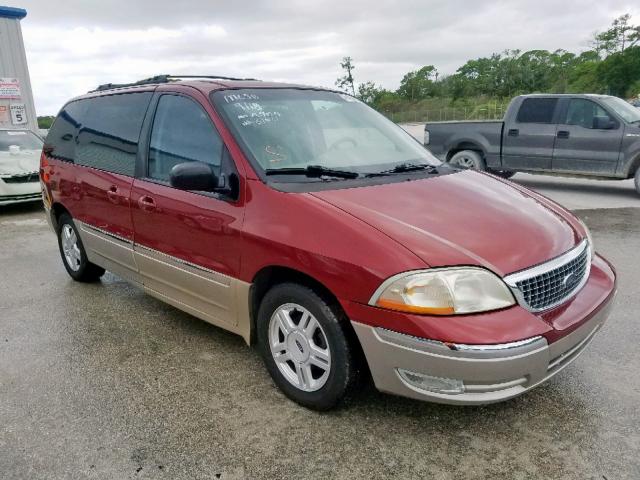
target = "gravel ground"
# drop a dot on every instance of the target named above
(103, 381)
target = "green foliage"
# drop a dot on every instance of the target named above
(482, 87)
(620, 70)
(419, 84)
(634, 90)
(620, 36)
(45, 122)
(346, 81)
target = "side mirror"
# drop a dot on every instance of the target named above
(603, 123)
(197, 176)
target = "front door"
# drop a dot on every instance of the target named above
(187, 244)
(528, 142)
(588, 139)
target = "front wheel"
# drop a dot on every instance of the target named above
(502, 173)
(637, 180)
(303, 341)
(469, 159)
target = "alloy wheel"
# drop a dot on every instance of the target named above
(299, 347)
(70, 247)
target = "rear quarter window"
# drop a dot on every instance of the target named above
(537, 110)
(109, 132)
(62, 135)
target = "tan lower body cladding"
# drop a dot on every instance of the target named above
(211, 296)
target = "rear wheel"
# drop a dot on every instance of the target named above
(469, 159)
(637, 180)
(304, 344)
(74, 256)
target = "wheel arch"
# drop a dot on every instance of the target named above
(634, 166)
(269, 276)
(466, 145)
(57, 209)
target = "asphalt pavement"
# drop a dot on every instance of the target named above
(101, 381)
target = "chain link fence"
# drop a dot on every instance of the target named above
(481, 112)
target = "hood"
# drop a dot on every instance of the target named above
(464, 218)
(19, 163)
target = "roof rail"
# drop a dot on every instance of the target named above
(165, 79)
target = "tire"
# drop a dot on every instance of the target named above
(74, 256)
(636, 180)
(502, 173)
(468, 159)
(297, 374)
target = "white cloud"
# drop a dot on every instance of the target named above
(75, 45)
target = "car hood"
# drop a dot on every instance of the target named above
(26, 161)
(464, 218)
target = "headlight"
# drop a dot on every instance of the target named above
(427, 137)
(446, 291)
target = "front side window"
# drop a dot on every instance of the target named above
(182, 132)
(109, 132)
(287, 128)
(583, 112)
(537, 110)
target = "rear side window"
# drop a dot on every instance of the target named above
(537, 110)
(182, 132)
(62, 135)
(110, 130)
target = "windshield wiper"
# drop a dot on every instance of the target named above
(314, 171)
(403, 168)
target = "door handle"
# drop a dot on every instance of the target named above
(563, 134)
(112, 194)
(513, 132)
(147, 203)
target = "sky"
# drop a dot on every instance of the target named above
(74, 45)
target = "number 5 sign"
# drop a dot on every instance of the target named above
(18, 114)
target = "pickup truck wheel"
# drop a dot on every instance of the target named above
(468, 159)
(304, 344)
(637, 180)
(503, 173)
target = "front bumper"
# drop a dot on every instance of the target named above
(19, 192)
(489, 373)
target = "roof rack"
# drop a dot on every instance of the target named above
(166, 79)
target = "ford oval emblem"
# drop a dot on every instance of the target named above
(566, 282)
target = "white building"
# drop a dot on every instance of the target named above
(17, 110)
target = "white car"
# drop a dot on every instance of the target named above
(19, 164)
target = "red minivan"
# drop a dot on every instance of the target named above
(304, 221)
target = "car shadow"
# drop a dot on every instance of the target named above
(594, 187)
(21, 208)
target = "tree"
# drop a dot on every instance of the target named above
(619, 37)
(346, 81)
(619, 71)
(45, 122)
(419, 84)
(369, 92)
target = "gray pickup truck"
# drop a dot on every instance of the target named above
(584, 135)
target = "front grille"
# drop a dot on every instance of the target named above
(25, 178)
(553, 282)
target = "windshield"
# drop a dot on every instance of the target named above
(23, 139)
(627, 111)
(297, 128)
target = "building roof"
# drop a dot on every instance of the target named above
(12, 12)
